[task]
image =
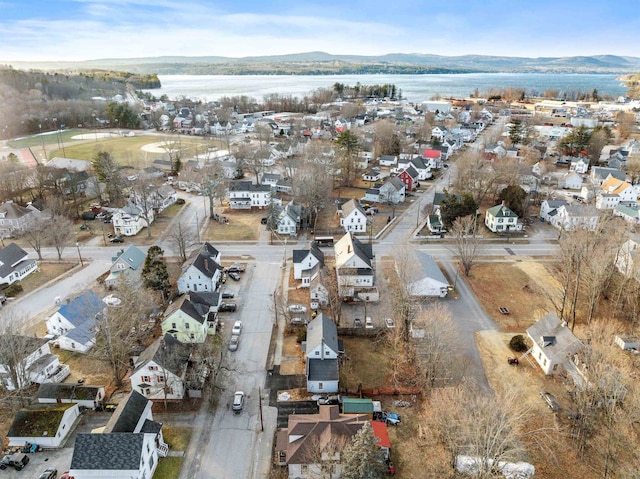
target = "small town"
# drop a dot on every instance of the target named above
(348, 283)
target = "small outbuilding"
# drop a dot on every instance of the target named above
(46, 425)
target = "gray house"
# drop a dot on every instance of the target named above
(321, 351)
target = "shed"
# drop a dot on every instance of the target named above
(627, 342)
(357, 406)
(86, 396)
(46, 425)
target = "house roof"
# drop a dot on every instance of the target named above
(501, 211)
(14, 211)
(27, 343)
(67, 391)
(418, 163)
(133, 256)
(430, 267)
(357, 405)
(382, 433)
(243, 185)
(151, 427)
(434, 154)
(38, 420)
(351, 206)
(128, 413)
(552, 204)
(9, 256)
(349, 245)
(554, 337)
(603, 173)
(186, 306)
(322, 329)
(167, 352)
(322, 369)
(630, 210)
(204, 262)
(615, 186)
(307, 432)
(204, 298)
(396, 183)
(411, 171)
(111, 452)
(68, 163)
(82, 309)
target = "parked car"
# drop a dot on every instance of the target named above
(357, 323)
(368, 323)
(234, 342)
(297, 308)
(227, 295)
(329, 400)
(238, 402)
(391, 418)
(88, 215)
(550, 400)
(3, 299)
(227, 307)
(298, 321)
(264, 220)
(236, 268)
(234, 276)
(237, 328)
(17, 461)
(389, 323)
(117, 239)
(49, 474)
(65, 475)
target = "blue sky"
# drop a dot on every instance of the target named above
(49, 30)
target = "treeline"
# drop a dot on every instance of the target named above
(632, 82)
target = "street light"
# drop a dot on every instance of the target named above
(79, 255)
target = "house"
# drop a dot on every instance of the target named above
(432, 283)
(372, 175)
(627, 259)
(185, 321)
(202, 271)
(305, 260)
(129, 220)
(271, 179)
(244, 195)
(163, 197)
(500, 219)
(439, 133)
(579, 165)
(571, 217)
(80, 394)
(613, 192)
(284, 185)
(159, 372)
(207, 304)
(132, 439)
(318, 293)
(388, 160)
(630, 213)
(372, 195)
(392, 191)
(288, 220)
(321, 355)
(571, 181)
(29, 360)
(354, 267)
(47, 425)
(409, 177)
(352, 217)
(422, 167)
(297, 445)
(126, 263)
(74, 322)
(15, 218)
(15, 264)
(553, 344)
(600, 174)
(163, 165)
(549, 209)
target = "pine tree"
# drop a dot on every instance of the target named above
(363, 458)
(154, 272)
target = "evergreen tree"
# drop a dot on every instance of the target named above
(154, 272)
(455, 206)
(515, 198)
(363, 458)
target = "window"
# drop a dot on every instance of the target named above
(160, 379)
(320, 386)
(145, 379)
(173, 326)
(317, 353)
(186, 325)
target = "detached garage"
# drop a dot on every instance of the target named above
(46, 425)
(432, 283)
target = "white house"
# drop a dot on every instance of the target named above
(321, 354)
(422, 167)
(16, 218)
(627, 259)
(318, 293)
(372, 175)
(288, 221)
(431, 282)
(352, 217)
(388, 160)
(15, 264)
(354, 266)
(571, 181)
(80, 394)
(570, 217)
(549, 209)
(501, 219)
(600, 174)
(132, 432)
(202, 271)
(393, 191)
(245, 195)
(46, 425)
(305, 261)
(630, 213)
(579, 165)
(32, 363)
(613, 192)
(75, 321)
(130, 220)
(553, 343)
(159, 372)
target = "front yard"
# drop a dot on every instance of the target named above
(243, 225)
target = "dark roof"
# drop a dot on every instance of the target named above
(168, 353)
(322, 329)
(67, 391)
(151, 426)
(27, 343)
(206, 264)
(115, 451)
(127, 415)
(322, 369)
(204, 298)
(411, 171)
(38, 420)
(185, 305)
(10, 255)
(247, 186)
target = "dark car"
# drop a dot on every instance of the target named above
(227, 295)
(88, 216)
(49, 474)
(234, 276)
(264, 220)
(117, 239)
(227, 307)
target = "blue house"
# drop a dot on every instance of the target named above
(74, 322)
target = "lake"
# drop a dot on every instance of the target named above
(415, 88)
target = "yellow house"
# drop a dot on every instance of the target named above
(184, 321)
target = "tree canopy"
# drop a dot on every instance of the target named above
(154, 272)
(455, 206)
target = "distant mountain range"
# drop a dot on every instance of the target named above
(324, 63)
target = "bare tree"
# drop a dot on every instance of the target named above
(467, 243)
(15, 350)
(324, 454)
(36, 234)
(60, 233)
(334, 300)
(181, 238)
(143, 196)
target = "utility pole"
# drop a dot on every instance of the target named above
(260, 406)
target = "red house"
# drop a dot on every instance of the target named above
(409, 177)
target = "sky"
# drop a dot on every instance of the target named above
(65, 30)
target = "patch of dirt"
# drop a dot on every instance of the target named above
(242, 225)
(290, 347)
(289, 368)
(298, 394)
(522, 287)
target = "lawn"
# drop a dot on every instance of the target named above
(242, 226)
(168, 468)
(369, 364)
(177, 437)
(47, 272)
(49, 138)
(83, 366)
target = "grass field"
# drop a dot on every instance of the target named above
(242, 226)
(177, 437)
(50, 138)
(168, 468)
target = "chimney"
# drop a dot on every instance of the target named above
(349, 248)
(503, 203)
(206, 264)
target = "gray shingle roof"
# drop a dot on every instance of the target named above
(10, 255)
(115, 451)
(322, 369)
(168, 353)
(127, 415)
(554, 337)
(322, 329)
